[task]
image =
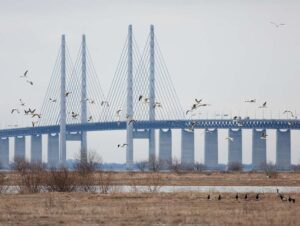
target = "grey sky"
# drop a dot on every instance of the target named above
(222, 51)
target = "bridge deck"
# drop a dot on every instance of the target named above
(158, 124)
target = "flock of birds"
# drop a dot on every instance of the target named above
(198, 103)
(257, 197)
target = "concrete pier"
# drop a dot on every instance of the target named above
(211, 148)
(187, 147)
(4, 152)
(20, 147)
(165, 146)
(235, 146)
(36, 148)
(53, 150)
(283, 149)
(259, 150)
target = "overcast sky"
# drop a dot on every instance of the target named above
(222, 51)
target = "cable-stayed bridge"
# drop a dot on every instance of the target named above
(141, 99)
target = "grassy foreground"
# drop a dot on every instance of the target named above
(185, 208)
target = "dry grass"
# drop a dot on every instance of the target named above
(145, 209)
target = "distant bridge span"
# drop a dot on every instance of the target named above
(157, 124)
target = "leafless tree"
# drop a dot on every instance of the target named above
(235, 166)
(142, 165)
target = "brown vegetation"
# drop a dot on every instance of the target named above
(186, 208)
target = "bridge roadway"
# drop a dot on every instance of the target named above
(158, 124)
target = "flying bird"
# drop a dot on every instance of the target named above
(131, 121)
(157, 104)
(92, 101)
(229, 138)
(24, 75)
(263, 136)
(36, 115)
(14, 110)
(30, 82)
(104, 103)
(74, 115)
(122, 145)
(290, 112)
(90, 118)
(33, 123)
(264, 105)
(21, 102)
(140, 97)
(198, 101)
(67, 94)
(146, 100)
(53, 100)
(276, 25)
(251, 101)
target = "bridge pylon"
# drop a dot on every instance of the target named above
(129, 130)
(62, 123)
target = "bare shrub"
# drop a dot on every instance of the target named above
(3, 184)
(142, 165)
(199, 167)
(105, 181)
(85, 172)
(154, 164)
(175, 165)
(60, 180)
(270, 170)
(235, 166)
(296, 168)
(31, 174)
(154, 182)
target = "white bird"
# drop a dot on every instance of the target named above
(122, 145)
(157, 104)
(131, 121)
(290, 112)
(74, 115)
(90, 118)
(277, 25)
(53, 100)
(67, 93)
(24, 75)
(263, 136)
(91, 101)
(198, 101)
(251, 101)
(36, 115)
(30, 82)
(229, 138)
(14, 110)
(105, 103)
(33, 123)
(146, 100)
(86, 99)
(21, 102)
(264, 105)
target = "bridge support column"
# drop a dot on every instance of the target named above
(259, 150)
(62, 125)
(152, 95)
(211, 148)
(83, 149)
(187, 148)
(36, 148)
(165, 147)
(53, 150)
(20, 148)
(235, 147)
(283, 149)
(129, 126)
(4, 152)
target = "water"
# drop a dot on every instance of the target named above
(207, 189)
